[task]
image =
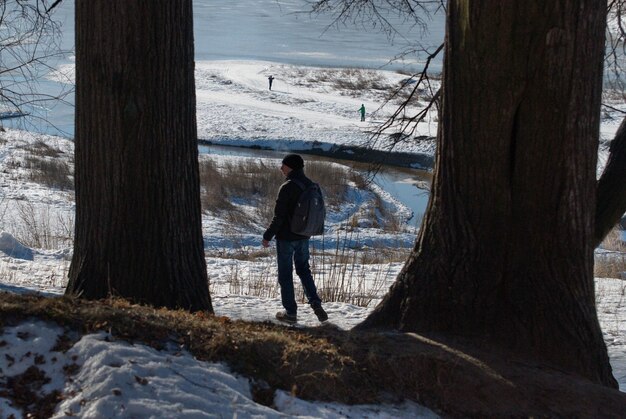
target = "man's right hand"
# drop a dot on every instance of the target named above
(265, 243)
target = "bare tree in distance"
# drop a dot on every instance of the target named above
(615, 37)
(28, 51)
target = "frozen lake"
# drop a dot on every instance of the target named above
(283, 31)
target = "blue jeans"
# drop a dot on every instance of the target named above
(290, 252)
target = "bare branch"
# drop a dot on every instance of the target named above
(401, 126)
(52, 6)
(28, 46)
(611, 191)
(377, 14)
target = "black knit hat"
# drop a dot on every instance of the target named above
(293, 161)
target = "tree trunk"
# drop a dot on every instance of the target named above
(138, 217)
(611, 193)
(505, 254)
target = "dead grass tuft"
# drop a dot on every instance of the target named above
(52, 173)
(613, 240)
(256, 184)
(349, 81)
(612, 264)
(39, 229)
(41, 149)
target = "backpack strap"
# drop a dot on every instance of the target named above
(299, 183)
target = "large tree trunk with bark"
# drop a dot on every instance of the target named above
(138, 216)
(612, 187)
(505, 254)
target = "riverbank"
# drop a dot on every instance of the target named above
(343, 152)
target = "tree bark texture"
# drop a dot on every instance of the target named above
(138, 216)
(611, 194)
(505, 253)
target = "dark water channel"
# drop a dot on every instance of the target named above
(409, 186)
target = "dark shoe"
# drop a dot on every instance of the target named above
(283, 316)
(320, 313)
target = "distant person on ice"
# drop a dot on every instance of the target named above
(271, 79)
(362, 110)
(291, 247)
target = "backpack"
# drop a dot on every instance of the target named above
(309, 213)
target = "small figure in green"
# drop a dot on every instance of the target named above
(362, 110)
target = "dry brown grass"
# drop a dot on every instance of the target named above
(41, 227)
(256, 183)
(613, 240)
(613, 264)
(348, 78)
(242, 253)
(41, 149)
(349, 81)
(50, 172)
(47, 165)
(263, 285)
(355, 276)
(212, 194)
(610, 266)
(358, 276)
(356, 81)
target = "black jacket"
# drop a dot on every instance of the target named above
(288, 195)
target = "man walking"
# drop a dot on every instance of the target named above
(270, 79)
(292, 248)
(362, 111)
